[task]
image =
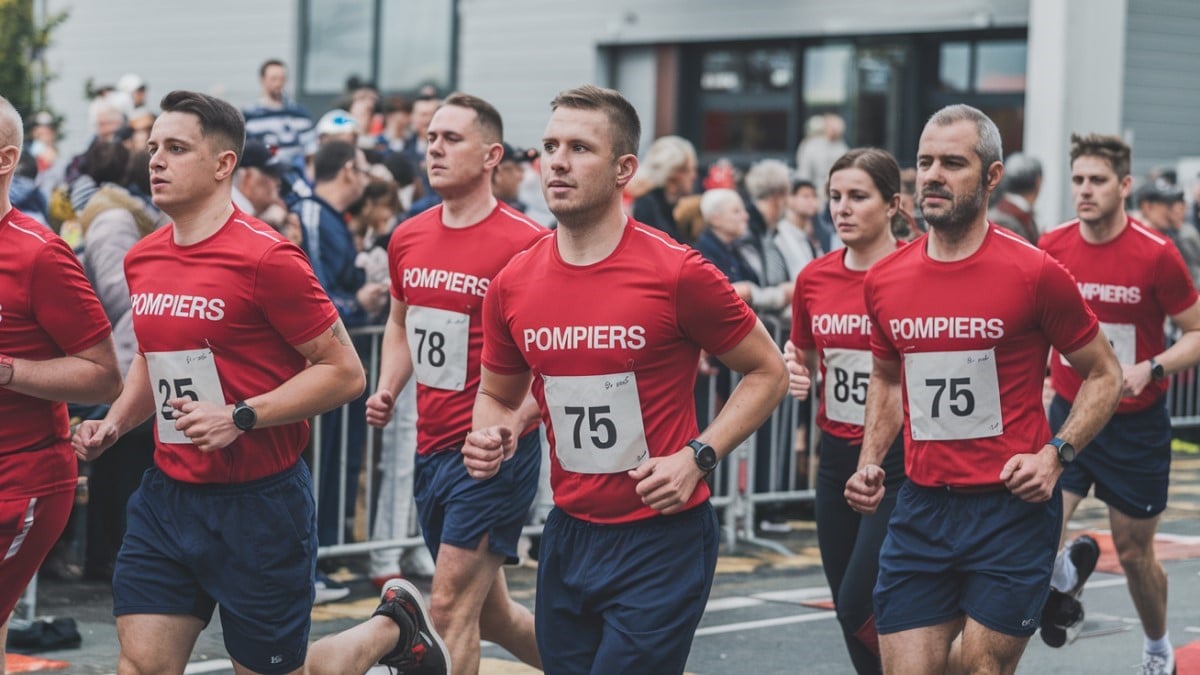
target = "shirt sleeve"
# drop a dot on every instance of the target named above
(1066, 318)
(881, 346)
(394, 270)
(290, 296)
(1173, 287)
(500, 351)
(64, 304)
(709, 311)
(802, 335)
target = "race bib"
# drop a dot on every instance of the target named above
(597, 422)
(1123, 338)
(847, 372)
(953, 395)
(184, 374)
(438, 340)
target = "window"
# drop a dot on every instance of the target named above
(400, 45)
(745, 97)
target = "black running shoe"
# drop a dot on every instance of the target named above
(420, 650)
(1062, 615)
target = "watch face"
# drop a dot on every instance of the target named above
(1066, 452)
(244, 417)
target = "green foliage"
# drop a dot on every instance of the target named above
(23, 74)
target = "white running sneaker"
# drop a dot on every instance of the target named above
(1157, 664)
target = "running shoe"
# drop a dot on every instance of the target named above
(328, 590)
(1157, 664)
(420, 650)
(1062, 615)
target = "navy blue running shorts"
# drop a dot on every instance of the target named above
(1129, 461)
(623, 598)
(249, 547)
(456, 509)
(988, 556)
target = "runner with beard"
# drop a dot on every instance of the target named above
(972, 540)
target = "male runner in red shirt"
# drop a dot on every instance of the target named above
(1133, 279)
(960, 364)
(607, 318)
(442, 262)
(55, 345)
(238, 347)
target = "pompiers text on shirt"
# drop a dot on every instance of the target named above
(552, 338)
(1127, 295)
(953, 327)
(841, 324)
(182, 306)
(455, 282)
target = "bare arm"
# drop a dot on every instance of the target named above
(884, 419)
(132, 407)
(395, 367)
(334, 377)
(87, 376)
(666, 483)
(1182, 355)
(1032, 476)
(501, 405)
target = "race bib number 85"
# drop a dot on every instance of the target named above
(597, 422)
(184, 374)
(847, 372)
(953, 395)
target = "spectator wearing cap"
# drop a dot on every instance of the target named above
(506, 181)
(256, 184)
(1020, 187)
(1164, 208)
(275, 119)
(337, 125)
(133, 88)
(667, 174)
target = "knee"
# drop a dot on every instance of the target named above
(448, 610)
(1135, 557)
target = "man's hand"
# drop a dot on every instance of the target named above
(208, 425)
(486, 448)
(799, 379)
(92, 438)
(865, 489)
(1032, 476)
(665, 484)
(1134, 378)
(379, 408)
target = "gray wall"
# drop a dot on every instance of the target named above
(519, 53)
(213, 46)
(1162, 87)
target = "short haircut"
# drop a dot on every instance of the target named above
(397, 103)
(262, 70)
(988, 148)
(331, 157)
(768, 178)
(106, 162)
(665, 156)
(623, 119)
(713, 200)
(801, 183)
(219, 120)
(487, 117)
(1021, 173)
(1112, 149)
(12, 130)
(878, 164)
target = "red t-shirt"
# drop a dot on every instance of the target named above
(974, 335)
(47, 310)
(829, 315)
(1132, 283)
(613, 347)
(442, 274)
(217, 320)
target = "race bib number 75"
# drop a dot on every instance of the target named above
(953, 395)
(597, 422)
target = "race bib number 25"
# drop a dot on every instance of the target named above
(184, 374)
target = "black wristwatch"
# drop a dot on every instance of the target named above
(1066, 451)
(244, 416)
(706, 457)
(1157, 372)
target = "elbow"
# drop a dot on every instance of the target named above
(355, 382)
(113, 386)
